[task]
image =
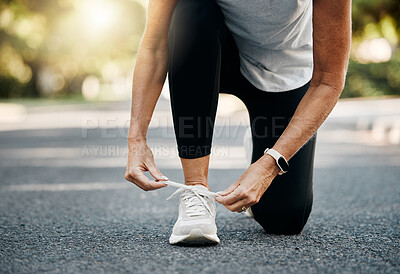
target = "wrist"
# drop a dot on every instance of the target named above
(283, 150)
(269, 165)
(137, 133)
(136, 140)
(279, 159)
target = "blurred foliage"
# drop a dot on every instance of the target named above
(374, 19)
(373, 79)
(367, 12)
(49, 47)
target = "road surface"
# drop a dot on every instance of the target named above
(65, 207)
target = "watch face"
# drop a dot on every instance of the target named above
(283, 164)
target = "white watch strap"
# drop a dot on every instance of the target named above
(273, 153)
(276, 155)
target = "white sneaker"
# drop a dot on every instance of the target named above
(196, 220)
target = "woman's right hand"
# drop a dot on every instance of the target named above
(140, 159)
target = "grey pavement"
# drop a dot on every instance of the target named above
(65, 207)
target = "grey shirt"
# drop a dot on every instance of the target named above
(274, 38)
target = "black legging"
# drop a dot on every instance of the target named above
(204, 60)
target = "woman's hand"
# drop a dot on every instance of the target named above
(249, 188)
(141, 159)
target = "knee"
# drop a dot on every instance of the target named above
(196, 20)
(289, 221)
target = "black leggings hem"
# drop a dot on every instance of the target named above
(193, 152)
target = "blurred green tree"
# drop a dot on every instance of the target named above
(49, 48)
(373, 12)
(374, 19)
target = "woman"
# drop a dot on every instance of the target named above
(286, 60)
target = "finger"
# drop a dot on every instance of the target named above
(138, 178)
(153, 185)
(229, 189)
(231, 198)
(155, 172)
(238, 206)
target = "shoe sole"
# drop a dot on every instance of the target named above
(196, 236)
(249, 213)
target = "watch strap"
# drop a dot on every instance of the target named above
(276, 155)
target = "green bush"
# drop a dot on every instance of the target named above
(40, 36)
(373, 79)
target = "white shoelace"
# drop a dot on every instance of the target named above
(194, 198)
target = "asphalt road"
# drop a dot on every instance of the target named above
(64, 205)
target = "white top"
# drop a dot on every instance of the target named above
(274, 38)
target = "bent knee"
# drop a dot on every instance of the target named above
(289, 222)
(197, 19)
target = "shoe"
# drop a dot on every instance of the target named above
(249, 213)
(196, 220)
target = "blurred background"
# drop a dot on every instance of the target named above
(65, 83)
(69, 48)
(85, 49)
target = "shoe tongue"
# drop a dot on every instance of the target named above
(198, 196)
(200, 189)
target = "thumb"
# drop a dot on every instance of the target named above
(229, 189)
(156, 173)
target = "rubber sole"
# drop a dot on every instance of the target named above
(195, 237)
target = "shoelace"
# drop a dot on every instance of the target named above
(194, 199)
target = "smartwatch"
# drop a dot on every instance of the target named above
(279, 159)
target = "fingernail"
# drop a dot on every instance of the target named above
(164, 177)
(221, 193)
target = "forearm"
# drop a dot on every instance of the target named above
(331, 46)
(148, 79)
(312, 111)
(151, 67)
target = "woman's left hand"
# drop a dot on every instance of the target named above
(249, 188)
